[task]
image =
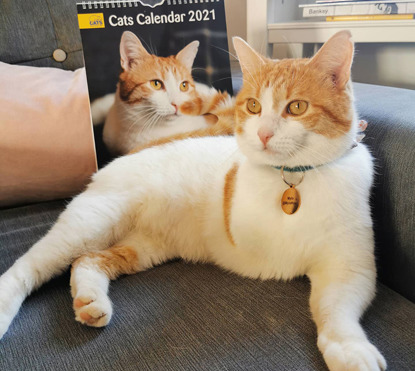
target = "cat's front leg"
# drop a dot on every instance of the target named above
(340, 292)
(92, 272)
(90, 223)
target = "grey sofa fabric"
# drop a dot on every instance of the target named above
(391, 138)
(180, 317)
(30, 31)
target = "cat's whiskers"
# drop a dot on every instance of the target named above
(139, 120)
(136, 117)
(135, 110)
(198, 68)
(290, 46)
(225, 78)
(348, 135)
(314, 154)
(154, 121)
(150, 47)
(290, 153)
(253, 80)
(249, 83)
(148, 120)
(240, 63)
(320, 158)
(226, 51)
(133, 113)
(151, 122)
(140, 115)
(133, 107)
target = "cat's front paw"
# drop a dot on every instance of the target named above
(92, 308)
(351, 355)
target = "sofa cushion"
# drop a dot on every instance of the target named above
(390, 136)
(180, 317)
(30, 33)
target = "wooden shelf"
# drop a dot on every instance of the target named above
(362, 31)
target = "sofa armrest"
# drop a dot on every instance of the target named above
(390, 135)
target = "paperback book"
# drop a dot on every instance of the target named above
(356, 8)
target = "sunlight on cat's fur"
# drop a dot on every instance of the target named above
(156, 97)
(218, 200)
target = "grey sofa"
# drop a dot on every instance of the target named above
(198, 317)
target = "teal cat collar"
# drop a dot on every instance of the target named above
(296, 169)
(302, 169)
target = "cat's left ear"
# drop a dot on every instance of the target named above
(249, 59)
(131, 49)
(336, 57)
(187, 55)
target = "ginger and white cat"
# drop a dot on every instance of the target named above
(218, 200)
(150, 97)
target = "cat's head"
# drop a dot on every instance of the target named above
(158, 84)
(296, 112)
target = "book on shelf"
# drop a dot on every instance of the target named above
(373, 17)
(351, 8)
(340, 1)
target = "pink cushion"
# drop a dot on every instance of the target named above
(46, 141)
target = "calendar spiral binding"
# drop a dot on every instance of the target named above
(135, 3)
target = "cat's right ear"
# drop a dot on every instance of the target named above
(188, 54)
(131, 50)
(249, 59)
(335, 58)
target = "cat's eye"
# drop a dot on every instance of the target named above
(184, 86)
(156, 84)
(297, 107)
(253, 106)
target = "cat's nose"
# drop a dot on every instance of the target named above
(265, 135)
(175, 107)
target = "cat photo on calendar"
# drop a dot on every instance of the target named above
(155, 69)
(156, 97)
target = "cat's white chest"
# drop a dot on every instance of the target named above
(278, 245)
(261, 228)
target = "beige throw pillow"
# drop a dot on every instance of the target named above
(46, 141)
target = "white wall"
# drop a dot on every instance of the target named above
(235, 20)
(247, 19)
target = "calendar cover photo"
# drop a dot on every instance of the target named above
(119, 36)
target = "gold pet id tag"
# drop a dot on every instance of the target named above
(290, 201)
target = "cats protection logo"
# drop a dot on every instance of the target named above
(92, 20)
